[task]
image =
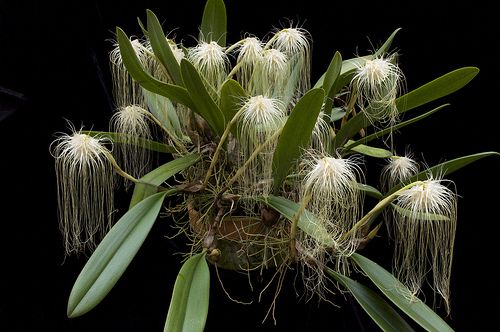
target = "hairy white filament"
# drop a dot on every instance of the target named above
(85, 190)
(132, 125)
(249, 55)
(260, 119)
(125, 90)
(294, 43)
(321, 135)
(424, 225)
(211, 61)
(398, 170)
(378, 83)
(271, 74)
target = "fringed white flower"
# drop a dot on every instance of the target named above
(132, 125)
(249, 55)
(125, 90)
(376, 86)
(211, 61)
(294, 43)
(261, 117)
(424, 224)
(331, 192)
(84, 190)
(271, 74)
(398, 170)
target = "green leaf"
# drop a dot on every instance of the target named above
(387, 45)
(379, 310)
(232, 96)
(296, 134)
(159, 175)
(121, 138)
(401, 296)
(445, 168)
(440, 87)
(371, 151)
(331, 83)
(189, 304)
(387, 131)
(214, 22)
(370, 191)
(141, 25)
(144, 79)
(204, 104)
(307, 221)
(162, 49)
(421, 215)
(337, 114)
(113, 255)
(164, 111)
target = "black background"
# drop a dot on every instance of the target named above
(55, 56)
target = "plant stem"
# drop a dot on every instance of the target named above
(220, 145)
(119, 170)
(295, 222)
(379, 207)
(179, 145)
(254, 155)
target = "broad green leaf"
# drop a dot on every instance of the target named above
(331, 83)
(419, 215)
(379, 310)
(383, 132)
(401, 296)
(164, 111)
(141, 25)
(296, 134)
(159, 175)
(337, 114)
(148, 82)
(189, 304)
(214, 22)
(113, 255)
(204, 104)
(445, 168)
(371, 151)
(440, 87)
(162, 49)
(370, 191)
(232, 96)
(121, 138)
(307, 221)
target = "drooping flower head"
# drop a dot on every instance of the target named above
(260, 119)
(377, 84)
(132, 124)
(321, 135)
(294, 43)
(424, 224)
(249, 55)
(398, 170)
(271, 74)
(125, 90)
(211, 61)
(85, 190)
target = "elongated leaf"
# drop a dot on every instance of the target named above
(113, 255)
(164, 111)
(401, 296)
(214, 22)
(162, 49)
(379, 310)
(296, 134)
(121, 138)
(204, 104)
(307, 221)
(148, 82)
(370, 191)
(189, 304)
(446, 168)
(387, 45)
(332, 73)
(387, 131)
(232, 96)
(440, 87)
(159, 175)
(371, 151)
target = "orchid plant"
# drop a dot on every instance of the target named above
(270, 172)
